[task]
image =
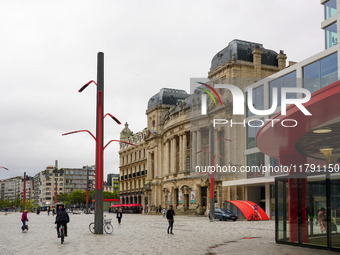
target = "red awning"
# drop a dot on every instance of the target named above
(248, 210)
(126, 205)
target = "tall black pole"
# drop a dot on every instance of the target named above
(98, 218)
(212, 191)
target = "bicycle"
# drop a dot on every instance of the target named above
(254, 217)
(108, 228)
(62, 233)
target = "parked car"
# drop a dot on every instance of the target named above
(224, 214)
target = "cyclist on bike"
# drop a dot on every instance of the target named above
(62, 219)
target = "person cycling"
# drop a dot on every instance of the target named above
(62, 219)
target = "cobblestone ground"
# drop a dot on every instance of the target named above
(142, 234)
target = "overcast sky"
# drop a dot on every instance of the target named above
(49, 50)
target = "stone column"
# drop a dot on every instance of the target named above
(156, 164)
(149, 167)
(175, 155)
(173, 197)
(198, 148)
(184, 152)
(180, 153)
(193, 150)
(172, 156)
(168, 158)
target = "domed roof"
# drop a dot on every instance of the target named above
(242, 50)
(167, 96)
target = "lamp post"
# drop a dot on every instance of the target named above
(212, 175)
(98, 220)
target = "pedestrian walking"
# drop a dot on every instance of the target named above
(6, 211)
(164, 212)
(24, 219)
(170, 216)
(119, 216)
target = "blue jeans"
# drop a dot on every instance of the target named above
(23, 225)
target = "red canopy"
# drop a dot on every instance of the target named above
(248, 209)
(125, 205)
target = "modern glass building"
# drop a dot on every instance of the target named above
(306, 205)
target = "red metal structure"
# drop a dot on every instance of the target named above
(248, 210)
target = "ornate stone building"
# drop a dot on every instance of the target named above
(178, 137)
(132, 166)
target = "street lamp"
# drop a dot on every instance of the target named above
(212, 175)
(99, 141)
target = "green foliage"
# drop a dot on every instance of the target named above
(29, 205)
(63, 197)
(107, 194)
(78, 197)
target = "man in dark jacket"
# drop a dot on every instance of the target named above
(170, 216)
(62, 219)
(119, 216)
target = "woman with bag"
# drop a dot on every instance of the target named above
(24, 219)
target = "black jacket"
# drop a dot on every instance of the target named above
(119, 215)
(170, 214)
(62, 216)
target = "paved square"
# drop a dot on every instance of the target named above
(142, 234)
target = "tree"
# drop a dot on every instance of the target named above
(63, 197)
(78, 197)
(29, 205)
(107, 194)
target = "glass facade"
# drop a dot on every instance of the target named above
(321, 73)
(276, 171)
(254, 162)
(331, 35)
(308, 209)
(258, 100)
(252, 130)
(330, 9)
(288, 80)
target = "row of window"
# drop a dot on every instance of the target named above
(75, 177)
(80, 172)
(126, 185)
(125, 171)
(257, 160)
(126, 158)
(76, 186)
(75, 181)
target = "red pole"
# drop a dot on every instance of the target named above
(24, 192)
